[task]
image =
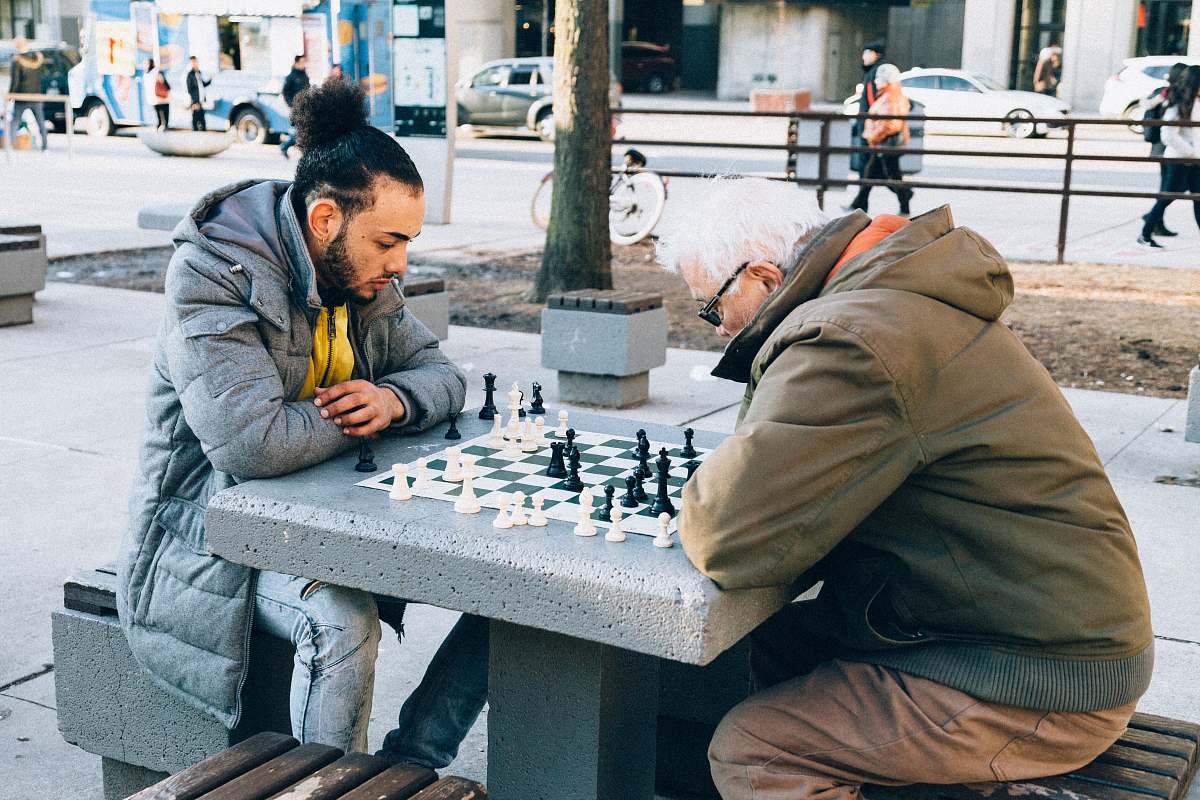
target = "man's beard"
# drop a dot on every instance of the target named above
(338, 272)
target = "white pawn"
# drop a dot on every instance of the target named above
(528, 443)
(453, 473)
(502, 519)
(496, 438)
(539, 432)
(400, 490)
(538, 519)
(422, 480)
(663, 539)
(512, 445)
(585, 527)
(518, 512)
(616, 533)
(467, 503)
(561, 430)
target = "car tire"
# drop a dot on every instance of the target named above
(657, 84)
(544, 125)
(96, 120)
(249, 127)
(1134, 112)
(1016, 127)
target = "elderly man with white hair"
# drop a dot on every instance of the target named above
(981, 612)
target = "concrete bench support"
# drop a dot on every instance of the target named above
(604, 344)
(22, 272)
(1191, 432)
(108, 706)
(429, 302)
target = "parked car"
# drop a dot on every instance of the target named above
(59, 60)
(1136, 80)
(514, 94)
(959, 93)
(647, 67)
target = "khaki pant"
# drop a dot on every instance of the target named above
(822, 734)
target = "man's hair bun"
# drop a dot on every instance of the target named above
(323, 114)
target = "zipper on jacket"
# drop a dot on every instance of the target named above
(331, 327)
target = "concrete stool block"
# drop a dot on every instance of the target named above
(429, 302)
(609, 391)
(17, 310)
(190, 144)
(22, 272)
(1191, 432)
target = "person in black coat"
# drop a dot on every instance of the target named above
(872, 57)
(295, 83)
(195, 87)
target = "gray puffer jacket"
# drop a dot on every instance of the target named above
(232, 356)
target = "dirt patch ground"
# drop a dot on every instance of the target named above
(1125, 329)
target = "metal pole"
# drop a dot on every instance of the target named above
(545, 28)
(69, 124)
(823, 164)
(1066, 196)
(616, 34)
(7, 119)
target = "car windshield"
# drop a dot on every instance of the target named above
(988, 83)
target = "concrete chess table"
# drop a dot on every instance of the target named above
(579, 625)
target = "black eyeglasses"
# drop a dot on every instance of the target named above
(709, 312)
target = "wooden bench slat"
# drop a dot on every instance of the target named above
(452, 788)
(219, 769)
(1066, 787)
(1170, 727)
(1154, 742)
(334, 780)
(278, 773)
(1133, 780)
(396, 783)
(1119, 755)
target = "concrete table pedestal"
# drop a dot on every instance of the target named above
(22, 272)
(604, 344)
(1191, 432)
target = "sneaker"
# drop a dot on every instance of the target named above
(1148, 241)
(1163, 230)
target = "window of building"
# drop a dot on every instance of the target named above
(1039, 25)
(18, 18)
(1163, 27)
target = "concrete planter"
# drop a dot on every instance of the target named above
(191, 144)
(22, 272)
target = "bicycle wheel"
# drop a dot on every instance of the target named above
(635, 204)
(539, 209)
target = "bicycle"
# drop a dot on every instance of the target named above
(636, 199)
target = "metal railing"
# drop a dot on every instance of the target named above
(7, 123)
(823, 181)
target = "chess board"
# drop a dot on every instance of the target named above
(603, 459)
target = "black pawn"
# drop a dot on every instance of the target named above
(536, 406)
(366, 459)
(605, 514)
(573, 483)
(558, 467)
(691, 468)
(688, 451)
(489, 397)
(637, 448)
(570, 439)
(452, 431)
(662, 500)
(630, 499)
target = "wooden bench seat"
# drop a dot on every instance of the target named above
(1155, 759)
(276, 766)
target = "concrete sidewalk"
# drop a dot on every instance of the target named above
(73, 387)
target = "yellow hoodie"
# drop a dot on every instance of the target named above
(332, 359)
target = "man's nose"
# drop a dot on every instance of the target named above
(398, 265)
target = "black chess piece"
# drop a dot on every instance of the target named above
(643, 466)
(641, 490)
(558, 467)
(691, 469)
(688, 450)
(662, 500)
(570, 439)
(536, 406)
(630, 499)
(366, 459)
(573, 483)
(489, 397)
(605, 514)
(452, 431)
(521, 407)
(637, 448)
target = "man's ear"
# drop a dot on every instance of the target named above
(765, 272)
(324, 220)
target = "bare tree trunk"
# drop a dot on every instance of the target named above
(577, 251)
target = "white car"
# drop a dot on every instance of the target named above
(1136, 80)
(958, 93)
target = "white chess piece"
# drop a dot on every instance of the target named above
(585, 527)
(616, 533)
(538, 519)
(512, 442)
(518, 512)
(528, 442)
(453, 472)
(467, 503)
(400, 490)
(663, 539)
(539, 432)
(422, 481)
(502, 519)
(496, 438)
(561, 430)
(514, 411)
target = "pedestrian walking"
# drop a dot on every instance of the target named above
(1153, 107)
(157, 92)
(872, 57)
(295, 83)
(195, 86)
(1179, 142)
(26, 78)
(1048, 72)
(886, 133)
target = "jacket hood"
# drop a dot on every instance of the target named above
(930, 257)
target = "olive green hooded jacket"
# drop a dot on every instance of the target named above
(899, 443)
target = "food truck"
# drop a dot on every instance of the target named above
(245, 47)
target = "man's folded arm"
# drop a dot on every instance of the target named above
(425, 380)
(825, 441)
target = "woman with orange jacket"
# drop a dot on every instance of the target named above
(886, 133)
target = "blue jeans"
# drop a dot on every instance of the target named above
(336, 633)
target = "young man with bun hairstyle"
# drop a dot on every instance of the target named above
(285, 342)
